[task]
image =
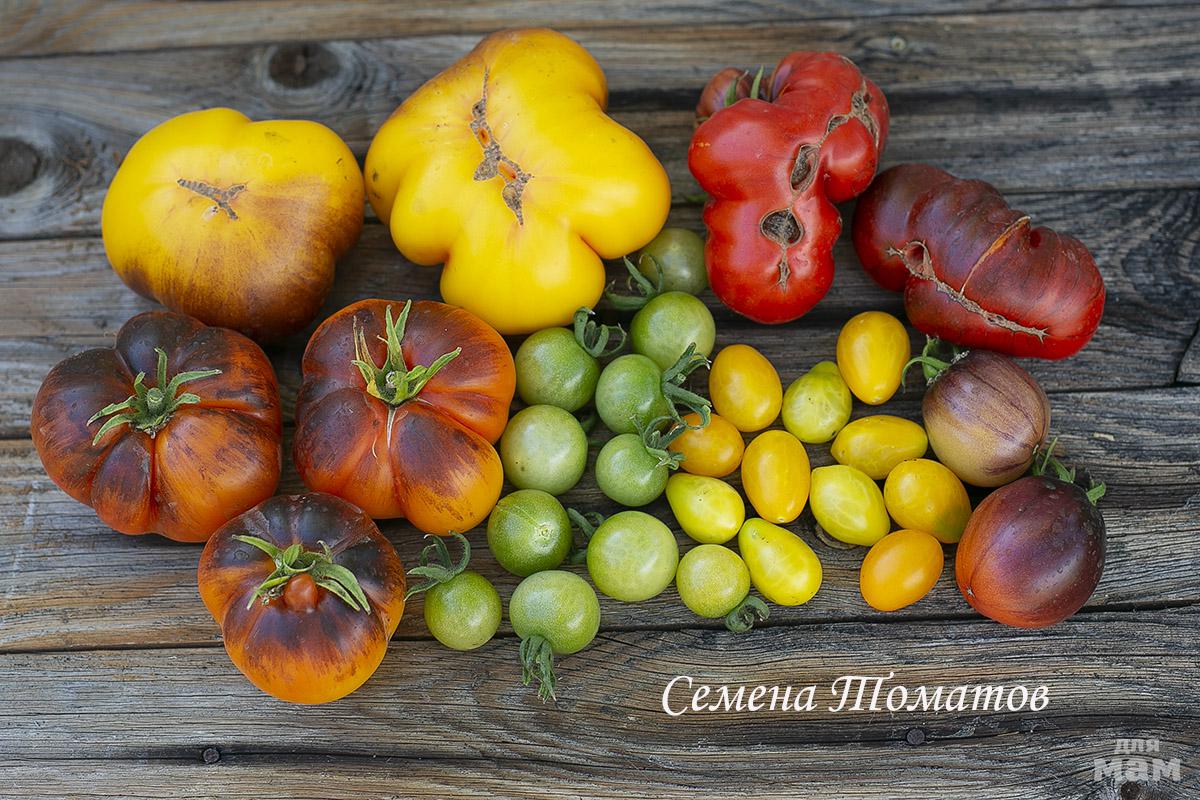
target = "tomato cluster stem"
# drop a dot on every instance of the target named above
(436, 567)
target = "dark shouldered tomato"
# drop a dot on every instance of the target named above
(307, 592)
(176, 429)
(398, 409)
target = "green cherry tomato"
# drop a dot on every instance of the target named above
(782, 566)
(544, 447)
(629, 393)
(876, 444)
(628, 473)
(552, 369)
(817, 404)
(712, 580)
(668, 323)
(708, 509)
(927, 496)
(678, 255)
(529, 531)
(632, 557)
(464, 612)
(554, 613)
(848, 505)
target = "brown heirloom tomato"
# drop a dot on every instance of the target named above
(307, 592)
(398, 410)
(174, 430)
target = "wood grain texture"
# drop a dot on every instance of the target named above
(63, 297)
(1026, 765)
(180, 703)
(1029, 115)
(74, 26)
(71, 583)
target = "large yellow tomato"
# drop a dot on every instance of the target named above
(506, 168)
(234, 222)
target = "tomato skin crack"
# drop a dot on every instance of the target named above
(494, 162)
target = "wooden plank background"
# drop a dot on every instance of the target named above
(1086, 113)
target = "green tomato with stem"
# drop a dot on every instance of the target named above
(529, 531)
(674, 261)
(560, 366)
(633, 391)
(632, 556)
(632, 469)
(544, 447)
(555, 613)
(668, 323)
(714, 583)
(462, 608)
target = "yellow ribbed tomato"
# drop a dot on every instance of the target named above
(878, 443)
(872, 350)
(927, 496)
(782, 567)
(505, 168)
(775, 475)
(234, 222)
(745, 388)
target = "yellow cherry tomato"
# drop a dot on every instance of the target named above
(900, 569)
(817, 404)
(877, 444)
(872, 350)
(848, 505)
(745, 388)
(775, 475)
(714, 450)
(708, 509)
(783, 568)
(927, 496)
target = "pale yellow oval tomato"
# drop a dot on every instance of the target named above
(872, 350)
(714, 450)
(927, 496)
(848, 505)
(878, 443)
(707, 509)
(783, 568)
(745, 388)
(900, 569)
(775, 475)
(817, 404)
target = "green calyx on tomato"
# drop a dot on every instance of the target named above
(436, 566)
(395, 382)
(598, 341)
(296, 562)
(748, 613)
(462, 608)
(149, 409)
(586, 522)
(1095, 490)
(935, 358)
(641, 289)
